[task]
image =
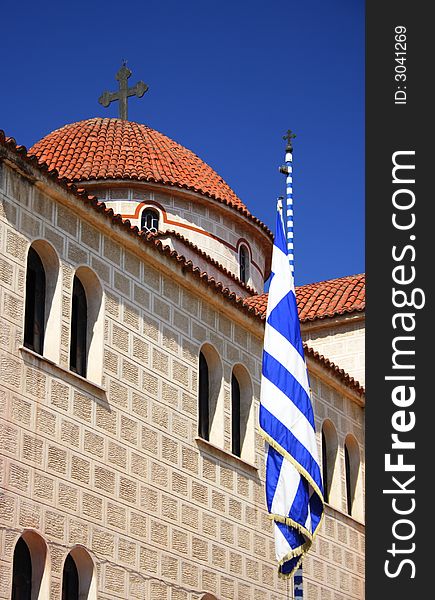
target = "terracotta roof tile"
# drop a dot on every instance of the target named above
(258, 304)
(103, 148)
(328, 298)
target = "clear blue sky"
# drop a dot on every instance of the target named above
(226, 80)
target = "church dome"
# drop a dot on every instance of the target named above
(114, 149)
(161, 187)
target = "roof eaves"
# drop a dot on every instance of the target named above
(332, 314)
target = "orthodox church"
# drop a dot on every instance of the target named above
(132, 319)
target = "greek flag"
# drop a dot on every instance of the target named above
(294, 490)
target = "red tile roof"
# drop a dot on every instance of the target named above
(102, 148)
(323, 299)
(258, 304)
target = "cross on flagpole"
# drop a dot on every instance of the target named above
(289, 136)
(124, 92)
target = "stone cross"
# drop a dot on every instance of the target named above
(124, 92)
(289, 136)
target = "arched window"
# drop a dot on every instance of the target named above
(243, 263)
(79, 325)
(354, 493)
(235, 416)
(70, 580)
(329, 463)
(325, 469)
(87, 326)
(349, 491)
(203, 394)
(242, 414)
(210, 397)
(43, 301)
(34, 323)
(150, 220)
(22, 572)
(30, 573)
(78, 578)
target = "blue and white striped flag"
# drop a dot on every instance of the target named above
(294, 490)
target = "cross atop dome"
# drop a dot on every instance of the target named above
(124, 91)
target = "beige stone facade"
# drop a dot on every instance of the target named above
(342, 340)
(110, 466)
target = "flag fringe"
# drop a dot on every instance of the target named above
(287, 521)
(294, 462)
(300, 550)
(296, 567)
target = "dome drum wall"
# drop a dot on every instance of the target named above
(217, 231)
(205, 265)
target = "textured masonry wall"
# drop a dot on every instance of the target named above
(194, 214)
(118, 469)
(204, 265)
(343, 343)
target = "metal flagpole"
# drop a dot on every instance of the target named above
(298, 584)
(287, 169)
(294, 489)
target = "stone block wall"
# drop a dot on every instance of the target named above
(343, 342)
(117, 468)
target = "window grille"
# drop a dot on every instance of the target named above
(243, 264)
(150, 221)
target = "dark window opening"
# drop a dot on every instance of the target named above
(150, 221)
(70, 580)
(35, 303)
(203, 399)
(325, 468)
(244, 264)
(235, 416)
(79, 323)
(348, 482)
(22, 572)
